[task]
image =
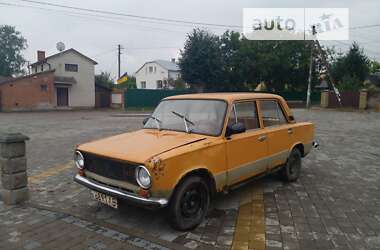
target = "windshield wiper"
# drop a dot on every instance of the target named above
(158, 121)
(185, 120)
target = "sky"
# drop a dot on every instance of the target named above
(97, 35)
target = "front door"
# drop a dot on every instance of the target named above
(62, 97)
(279, 132)
(246, 151)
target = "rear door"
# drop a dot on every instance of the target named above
(278, 131)
(246, 151)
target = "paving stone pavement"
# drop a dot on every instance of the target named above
(31, 228)
(334, 205)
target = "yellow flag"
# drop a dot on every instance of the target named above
(122, 79)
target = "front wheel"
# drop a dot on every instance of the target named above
(292, 169)
(189, 204)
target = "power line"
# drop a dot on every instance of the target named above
(153, 48)
(92, 16)
(365, 26)
(369, 51)
(104, 52)
(161, 19)
(167, 20)
(155, 20)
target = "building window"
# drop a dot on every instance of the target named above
(272, 113)
(159, 84)
(155, 69)
(44, 88)
(71, 67)
(143, 85)
(42, 67)
(150, 69)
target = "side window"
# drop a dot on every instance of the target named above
(246, 113)
(272, 113)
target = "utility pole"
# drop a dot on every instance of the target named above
(324, 61)
(28, 67)
(310, 70)
(119, 48)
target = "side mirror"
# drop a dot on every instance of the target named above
(291, 117)
(145, 120)
(236, 128)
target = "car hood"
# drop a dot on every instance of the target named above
(141, 145)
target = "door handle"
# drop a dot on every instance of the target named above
(290, 131)
(262, 138)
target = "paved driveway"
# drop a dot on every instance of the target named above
(334, 205)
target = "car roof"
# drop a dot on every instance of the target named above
(224, 96)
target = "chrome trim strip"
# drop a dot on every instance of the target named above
(160, 202)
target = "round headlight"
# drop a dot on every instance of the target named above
(79, 160)
(143, 177)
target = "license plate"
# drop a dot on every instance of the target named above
(105, 199)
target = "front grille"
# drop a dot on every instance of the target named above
(113, 169)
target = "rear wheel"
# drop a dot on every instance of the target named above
(189, 204)
(292, 169)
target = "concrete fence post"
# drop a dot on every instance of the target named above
(363, 99)
(14, 178)
(324, 98)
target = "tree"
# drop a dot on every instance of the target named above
(230, 44)
(201, 61)
(353, 65)
(11, 46)
(374, 67)
(104, 79)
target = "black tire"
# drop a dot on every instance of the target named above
(292, 169)
(190, 203)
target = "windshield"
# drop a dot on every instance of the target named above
(191, 116)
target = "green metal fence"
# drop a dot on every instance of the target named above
(148, 98)
(141, 99)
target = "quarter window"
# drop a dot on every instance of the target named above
(71, 67)
(246, 113)
(272, 113)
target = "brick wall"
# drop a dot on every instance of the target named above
(34, 92)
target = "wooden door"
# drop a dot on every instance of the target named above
(62, 97)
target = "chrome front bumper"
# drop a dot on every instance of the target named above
(102, 188)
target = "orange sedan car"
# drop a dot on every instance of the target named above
(192, 147)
